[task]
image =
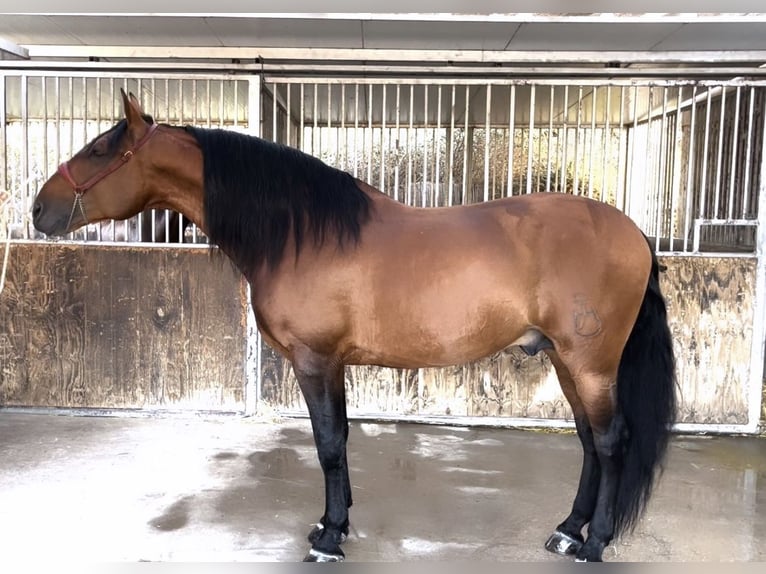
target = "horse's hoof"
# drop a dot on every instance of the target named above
(316, 532)
(319, 556)
(563, 544)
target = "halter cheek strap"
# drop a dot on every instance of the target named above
(80, 188)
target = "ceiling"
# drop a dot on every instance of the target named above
(740, 37)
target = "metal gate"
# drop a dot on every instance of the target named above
(105, 319)
(683, 158)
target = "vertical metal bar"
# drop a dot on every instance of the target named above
(690, 169)
(531, 134)
(343, 130)
(302, 132)
(437, 143)
(565, 152)
(487, 141)
(315, 129)
(424, 188)
(221, 104)
(649, 172)
(274, 112)
(661, 160)
(748, 155)
(409, 199)
(24, 183)
(329, 123)
(594, 97)
(606, 155)
(167, 99)
(398, 138)
(209, 95)
(511, 138)
(58, 120)
(759, 313)
(383, 142)
(706, 142)
(236, 103)
(253, 363)
(451, 179)
(254, 105)
(719, 155)
(578, 133)
(370, 140)
(466, 143)
(99, 120)
(45, 155)
(356, 128)
(288, 117)
(734, 158)
(676, 170)
(550, 140)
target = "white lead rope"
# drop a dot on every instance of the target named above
(5, 228)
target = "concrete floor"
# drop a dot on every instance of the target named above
(228, 489)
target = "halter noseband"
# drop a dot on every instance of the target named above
(80, 188)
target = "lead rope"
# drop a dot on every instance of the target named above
(5, 227)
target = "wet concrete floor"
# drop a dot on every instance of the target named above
(232, 489)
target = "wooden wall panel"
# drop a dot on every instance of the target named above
(710, 304)
(121, 327)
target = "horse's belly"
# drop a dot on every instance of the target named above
(439, 337)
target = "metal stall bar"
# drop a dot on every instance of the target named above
(409, 196)
(24, 183)
(748, 155)
(606, 141)
(451, 181)
(253, 360)
(467, 144)
(383, 141)
(531, 132)
(550, 139)
(398, 139)
(594, 98)
(719, 157)
(619, 199)
(705, 145)
(511, 138)
(734, 158)
(424, 186)
(759, 315)
(661, 164)
(437, 144)
(676, 169)
(690, 170)
(487, 143)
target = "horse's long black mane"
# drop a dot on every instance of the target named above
(258, 192)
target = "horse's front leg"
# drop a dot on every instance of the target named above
(321, 382)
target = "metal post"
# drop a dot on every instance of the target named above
(759, 314)
(254, 343)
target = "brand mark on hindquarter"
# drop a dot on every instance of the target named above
(587, 323)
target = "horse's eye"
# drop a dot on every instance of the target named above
(98, 148)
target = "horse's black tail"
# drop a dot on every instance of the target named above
(646, 399)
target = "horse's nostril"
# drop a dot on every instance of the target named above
(37, 209)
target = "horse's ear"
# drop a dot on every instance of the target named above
(133, 112)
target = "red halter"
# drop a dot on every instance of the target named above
(80, 189)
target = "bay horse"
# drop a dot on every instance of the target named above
(342, 274)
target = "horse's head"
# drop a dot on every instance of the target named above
(102, 181)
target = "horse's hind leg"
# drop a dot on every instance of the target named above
(568, 539)
(598, 396)
(321, 382)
